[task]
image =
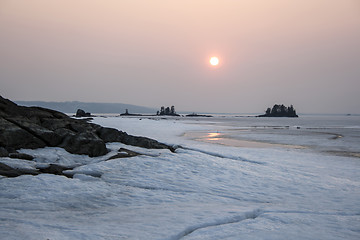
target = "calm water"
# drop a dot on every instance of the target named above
(331, 134)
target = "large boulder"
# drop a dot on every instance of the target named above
(109, 134)
(114, 135)
(82, 113)
(85, 143)
(46, 135)
(4, 152)
(142, 142)
(15, 137)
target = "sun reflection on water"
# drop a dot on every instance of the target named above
(213, 136)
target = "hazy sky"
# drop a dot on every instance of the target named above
(154, 53)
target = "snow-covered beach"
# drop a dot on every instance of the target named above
(296, 179)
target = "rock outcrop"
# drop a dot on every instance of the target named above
(35, 127)
(82, 113)
(8, 171)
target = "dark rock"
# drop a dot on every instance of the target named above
(21, 156)
(8, 108)
(8, 171)
(82, 113)
(109, 134)
(118, 155)
(130, 153)
(12, 136)
(124, 153)
(35, 127)
(85, 143)
(53, 124)
(56, 169)
(63, 132)
(3, 152)
(143, 142)
(81, 126)
(47, 136)
(114, 135)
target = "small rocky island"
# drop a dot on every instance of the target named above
(35, 127)
(163, 112)
(130, 114)
(280, 111)
(197, 115)
(167, 111)
(82, 113)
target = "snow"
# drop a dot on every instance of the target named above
(203, 191)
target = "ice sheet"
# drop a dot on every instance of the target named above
(203, 191)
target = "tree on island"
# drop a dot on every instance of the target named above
(167, 111)
(280, 111)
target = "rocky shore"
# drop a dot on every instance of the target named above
(35, 127)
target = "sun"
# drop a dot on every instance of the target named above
(214, 61)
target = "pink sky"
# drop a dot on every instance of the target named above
(154, 53)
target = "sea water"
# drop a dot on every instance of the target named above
(230, 178)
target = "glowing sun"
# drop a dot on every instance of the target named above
(214, 61)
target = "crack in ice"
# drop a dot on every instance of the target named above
(234, 219)
(153, 188)
(314, 213)
(223, 156)
(249, 215)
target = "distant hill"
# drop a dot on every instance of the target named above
(71, 107)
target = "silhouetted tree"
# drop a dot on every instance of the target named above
(162, 110)
(275, 110)
(268, 111)
(167, 111)
(283, 109)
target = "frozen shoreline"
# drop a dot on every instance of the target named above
(203, 191)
